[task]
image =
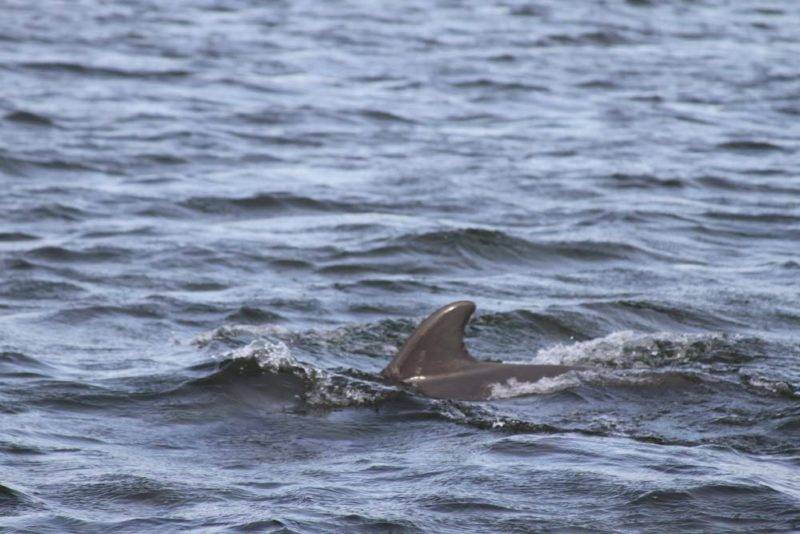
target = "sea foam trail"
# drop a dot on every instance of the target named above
(631, 349)
(515, 388)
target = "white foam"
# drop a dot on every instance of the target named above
(271, 355)
(329, 390)
(596, 377)
(777, 387)
(514, 388)
(626, 348)
(237, 330)
(324, 388)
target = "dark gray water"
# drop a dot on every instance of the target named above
(220, 219)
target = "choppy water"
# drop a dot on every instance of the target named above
(220, 219)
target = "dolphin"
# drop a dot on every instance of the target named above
(435, 362)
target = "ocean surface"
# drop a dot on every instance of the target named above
(220, 219)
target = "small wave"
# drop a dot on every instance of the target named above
(476, 248)
(627, 349)
(232, 332)
(723, 491)
(18, 264)
(331, 390)
(601, 38)
(267, 203)
(606, 378)
(29, 118)
(762, 217)
(17, 236)
(161, 159)
(491, 417)
(490, 244)
(86, 313)
(38, 289)
(722, 501)
(393, 286)
(261, 525)
(496, 85)
(109, 491)
(12, 166)
(373, 339)
(90, 255)
(117, 232)
(16, 360)
(790, 425)
(95, 70)
(514, 388)
(649, 315)
(272, 356)
(384, 116)
(478, 416)
(200, 286)
(291, 264)
(730, 184)
(529, 10)
(644, 181)
(600, 84)
(770, 386)
(525, 326)
(250, 314)
(322, 389)
(11, 499)
(54, 210)
(279, 140)
(460, 504)
(750, 147)
(18, 449)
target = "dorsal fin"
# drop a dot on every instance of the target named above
(436, 346)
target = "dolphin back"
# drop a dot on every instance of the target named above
(436, 347)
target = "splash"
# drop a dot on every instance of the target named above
(618, 378)
(271, 355)
(323, 389)
(515, 388)
(627, 349)
(235, 332)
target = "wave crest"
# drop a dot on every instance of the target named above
(627, 349)
(321, 388)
